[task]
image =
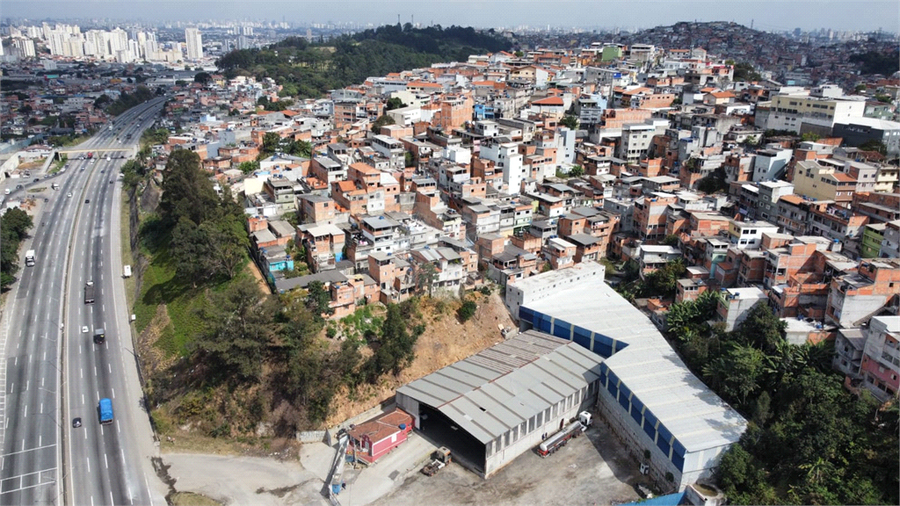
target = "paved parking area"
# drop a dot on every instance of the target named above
(589, 470)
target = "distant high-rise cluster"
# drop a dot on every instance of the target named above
(109, 45)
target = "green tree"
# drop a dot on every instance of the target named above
(187, 190)
(576, 171)
(14, 227)
(248, 167)
(394, 103)
(395, 349)
(737, 374)
(270, 143)
(318, 300)
(382, 121)
(190, 245)
(202, 78)
(241, 329)
(569, 121)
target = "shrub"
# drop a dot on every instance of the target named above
(466, 311)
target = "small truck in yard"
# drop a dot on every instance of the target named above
(439, 459)
(559, 439)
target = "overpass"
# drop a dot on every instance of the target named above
(129, 151)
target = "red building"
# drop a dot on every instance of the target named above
(378, 436)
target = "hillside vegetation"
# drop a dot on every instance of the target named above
(309, 70)
(809, 440)
(222, 358)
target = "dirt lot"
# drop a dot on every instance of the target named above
(444, 342)
(589, 470)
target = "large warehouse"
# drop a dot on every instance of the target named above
(648, 395)
(496, 404)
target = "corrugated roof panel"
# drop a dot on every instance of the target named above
(518, 381)
(477, 370)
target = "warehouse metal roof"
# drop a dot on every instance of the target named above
(648, 366)
(497, 389)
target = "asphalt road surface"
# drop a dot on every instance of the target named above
(76, 238)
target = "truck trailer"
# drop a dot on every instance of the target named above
(559, 439)
(106, 411)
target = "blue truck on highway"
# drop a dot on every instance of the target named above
(106, 411)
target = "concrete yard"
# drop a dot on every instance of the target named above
(589, 470)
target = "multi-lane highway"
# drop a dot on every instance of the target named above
(53, 371)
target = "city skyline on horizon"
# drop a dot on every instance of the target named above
(866, 15)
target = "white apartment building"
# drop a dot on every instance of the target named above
(194, 43)
(507, 159)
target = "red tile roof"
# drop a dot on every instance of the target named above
(549, 101)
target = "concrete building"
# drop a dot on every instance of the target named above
(880, 367)
(857, 131)
(770, 163)
(736, 305)
(856, 296)
(790, 112)
(890, 244)
(495, 405)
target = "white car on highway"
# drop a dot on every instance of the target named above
(84, 329)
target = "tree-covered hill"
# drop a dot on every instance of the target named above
(308, 70)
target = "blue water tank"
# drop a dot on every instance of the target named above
(402, 426)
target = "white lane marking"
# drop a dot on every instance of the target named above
(27, 382)
(92, 500)
(26, 412)
(119, 430)
(105, 461)
(45, 356)
(113, 393)
(95, 370)
(40, 440)
(110, 368)
(12, 388)
(150, 494)
(81, 370)
(89, 470)
(42, 408)
(85, 435)
(17, 360)
(82, 399)
(111, 500)
(80, 347)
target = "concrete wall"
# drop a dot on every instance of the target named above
(697, 465)
(559, 416)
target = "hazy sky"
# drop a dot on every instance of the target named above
(766, 14)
